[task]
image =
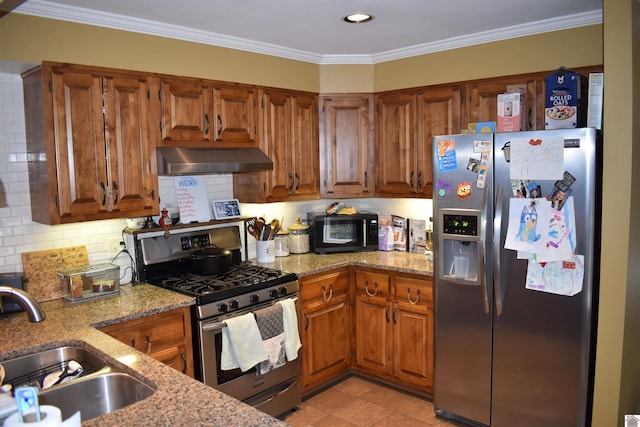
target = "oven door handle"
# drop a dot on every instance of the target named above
(217, 326)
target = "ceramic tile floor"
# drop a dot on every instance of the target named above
(359, 402)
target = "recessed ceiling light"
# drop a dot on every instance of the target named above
(358, 18)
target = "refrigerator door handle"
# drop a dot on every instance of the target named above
(483, 253)
(497, 229)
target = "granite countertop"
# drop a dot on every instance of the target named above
(403, 262)
(178, 400)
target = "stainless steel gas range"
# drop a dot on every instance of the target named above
(164, 258)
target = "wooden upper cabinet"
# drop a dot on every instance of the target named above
(79, 139)
(396, 148)
(289, 134)
(186, 112)
(235, 116)
(305, 145)
(347, 146)
(91, 127)
(132, 158)
(438, 114)
(201, 113)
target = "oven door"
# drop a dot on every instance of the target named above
(274, 392)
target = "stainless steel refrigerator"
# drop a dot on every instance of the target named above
(515, 327)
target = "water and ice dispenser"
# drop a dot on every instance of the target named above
(459, 245)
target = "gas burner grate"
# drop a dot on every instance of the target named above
(243, 275)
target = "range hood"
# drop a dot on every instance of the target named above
(202, 161)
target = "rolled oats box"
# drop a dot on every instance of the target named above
(565, 100)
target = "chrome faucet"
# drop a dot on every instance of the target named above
(26, 301)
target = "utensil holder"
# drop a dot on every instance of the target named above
(265, 251)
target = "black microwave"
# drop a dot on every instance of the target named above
(343, 233)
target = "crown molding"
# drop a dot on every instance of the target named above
(80, 15)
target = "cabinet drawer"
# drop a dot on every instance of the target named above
(324, 286)
(148, 333)
(413, 290)
(373, 284)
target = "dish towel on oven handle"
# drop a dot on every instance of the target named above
(290, 322)
(271, 329)
(242, 345)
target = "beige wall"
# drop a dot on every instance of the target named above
(569, 48)
(617, 380)
(31, 40)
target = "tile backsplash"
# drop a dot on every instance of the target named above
(19, 234)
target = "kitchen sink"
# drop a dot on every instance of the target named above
(96, 395)
(31, 369)
(100, 389)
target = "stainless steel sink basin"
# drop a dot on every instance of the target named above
(100, 389)
(32, 368)
(96, 395)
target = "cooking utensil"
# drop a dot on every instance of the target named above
(251, 226)
(266, 232)
(275, 227)
(1, 375)
(211, 260)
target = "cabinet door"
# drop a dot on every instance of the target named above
(304, 144)
(132, 169)
(277, 134)
(235, 116)
(396, 172)
(80, 146)
(346, 154)
(326, 340)
(187, 112)
(413, 332)
(438, 114)
(373, 332)
(413, 344)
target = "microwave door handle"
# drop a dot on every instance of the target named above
(364, 233)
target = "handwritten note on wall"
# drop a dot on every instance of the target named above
(192, 199)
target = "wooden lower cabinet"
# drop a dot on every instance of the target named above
(325, 327)
(372, 321)
(412, 316)
(165, 337)
(394, 328)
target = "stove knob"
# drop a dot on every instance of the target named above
(234, 304)
(283, 291)
(254, 299)
(222, 307)
(273, 293)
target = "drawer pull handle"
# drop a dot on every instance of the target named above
(184, 362)
(148, 339)
(207, 124)
(306, 325)
(386, 314)
(394, 315)
(133, 342)
(324, 293)
(366, 289)
(409, 296)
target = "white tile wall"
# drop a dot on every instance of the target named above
(19, 234)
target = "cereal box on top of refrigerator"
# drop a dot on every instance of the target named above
(565, 100)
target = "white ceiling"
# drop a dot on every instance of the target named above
(313, 31)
